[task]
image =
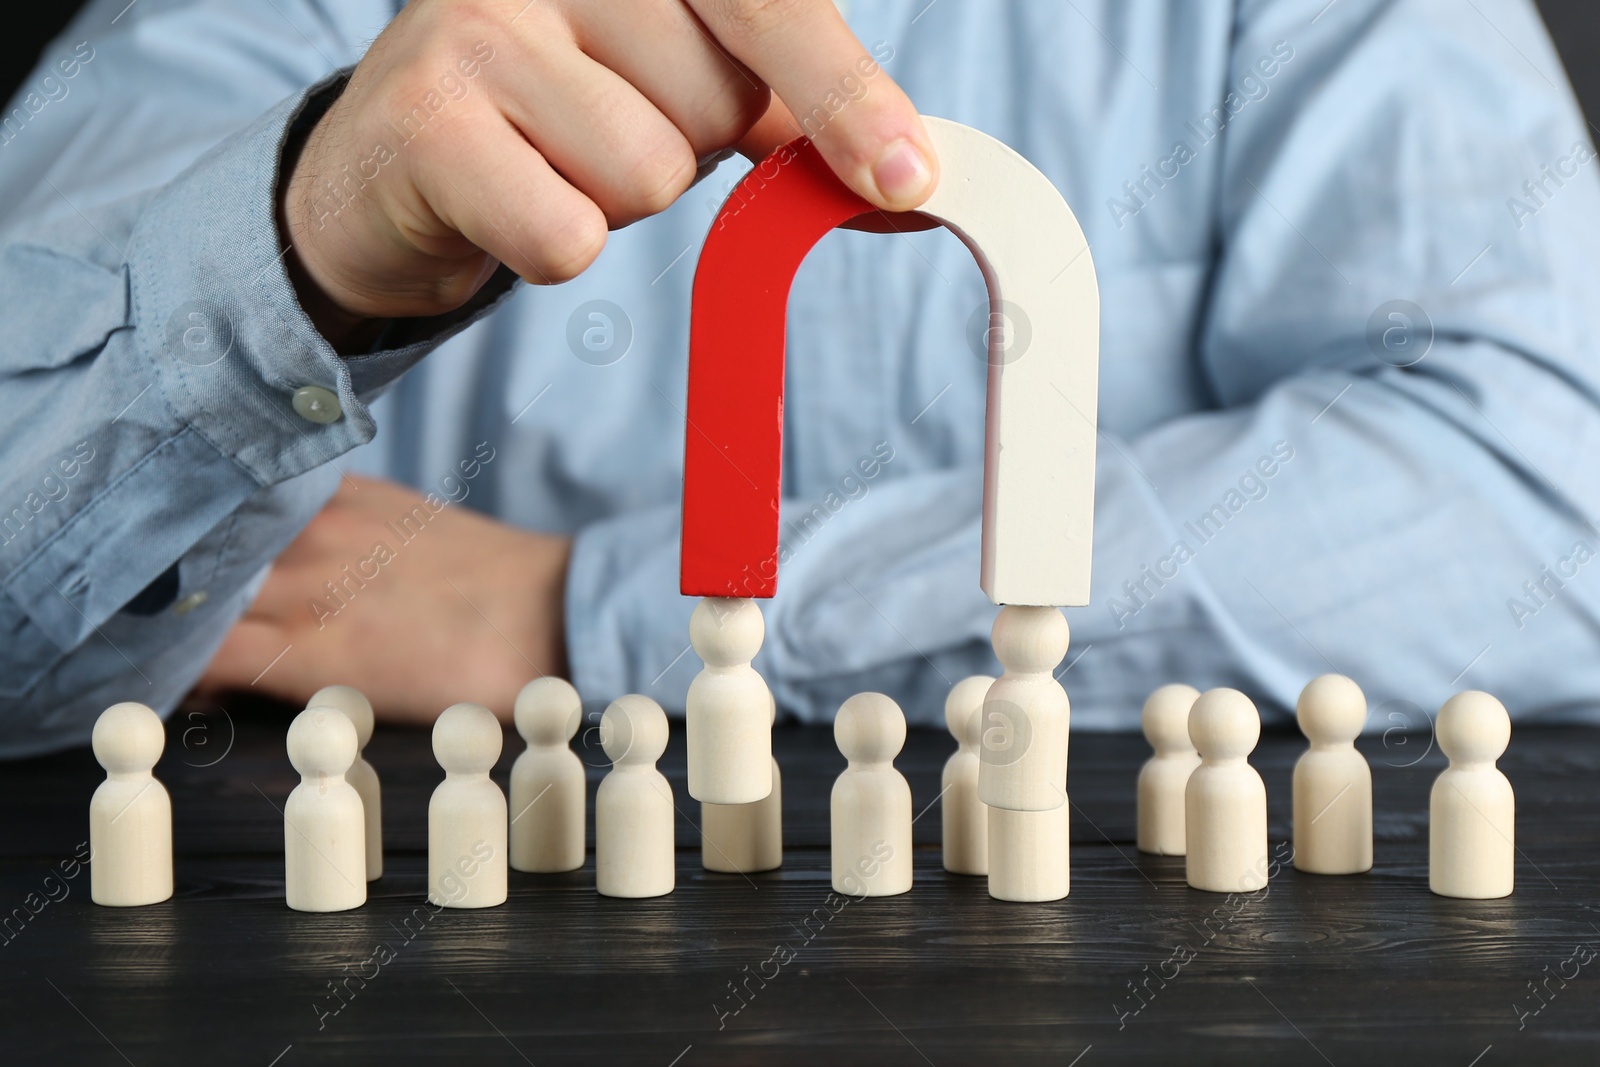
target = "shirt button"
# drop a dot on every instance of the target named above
(316, 404)
(190, 602)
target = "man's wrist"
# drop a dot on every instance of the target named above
(346, 332)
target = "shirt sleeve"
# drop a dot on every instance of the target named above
(172, 417)
(1396, 481)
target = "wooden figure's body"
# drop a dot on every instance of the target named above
(548, 791)
(1472, 810)
(1023, 744)
(324, 826)
(358, 709)
(467, 813)
(130, 815)
(728, 712)
(633, 810)
(965, 818)
(870, 806)
(1332, 782)
(1165, 775)
(1337, 784)
(1029, 855)
(1225, 802)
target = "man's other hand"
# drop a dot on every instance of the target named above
(418, 608)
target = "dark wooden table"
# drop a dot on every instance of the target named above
(1131, 967)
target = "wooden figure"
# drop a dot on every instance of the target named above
(633, 824)
(467, 814)
(548, 795)
(1023, 750)
(745, 838)
(965, 818)
(1165, 775)
(358, 709)
(324, 827)
(1472, 812)
(1225, 802)
(728, 712)
(130, 815)
(1332, 782)
(871, 802)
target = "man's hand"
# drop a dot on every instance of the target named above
(453, 606)
(477, 132)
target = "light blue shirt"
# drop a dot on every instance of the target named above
(1348, 371)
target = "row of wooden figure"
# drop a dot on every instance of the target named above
(1197, 797)
(1200, 798)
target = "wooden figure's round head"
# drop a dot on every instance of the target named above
(726, 631)
(633, 730)
(548, 711)
(1165, 718)
(1224, 724)
(322, 742)
(351, 701)
(466, 739)
(1331, 709)
(961, 708)
(1030, 640)
(869, 728)
(128, 738)
(1473, 727)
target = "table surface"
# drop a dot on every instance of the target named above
(1133, 964)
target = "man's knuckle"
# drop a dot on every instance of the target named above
(756, 19)
(728, 115)
(571, 249)
(661, 178)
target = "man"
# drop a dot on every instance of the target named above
(1348, 360)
